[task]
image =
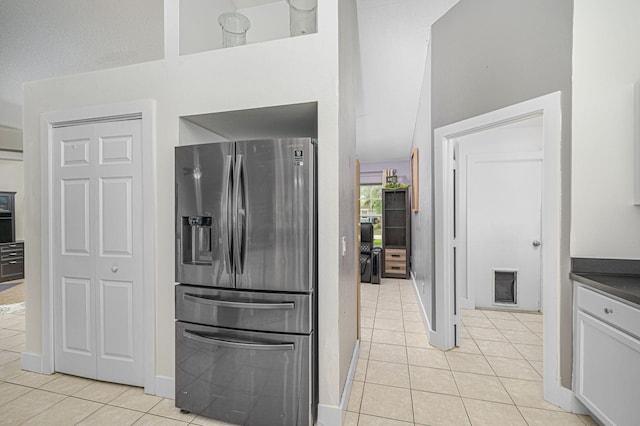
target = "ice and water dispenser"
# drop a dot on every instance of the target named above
(197, 240)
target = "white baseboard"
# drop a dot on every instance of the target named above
(464, 303)
(32, 362)
(331, 415)
(165, 387)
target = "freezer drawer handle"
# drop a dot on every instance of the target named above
(240, 305)
(239, 345)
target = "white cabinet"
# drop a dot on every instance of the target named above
(607, 356)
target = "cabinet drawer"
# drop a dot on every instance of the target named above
(11, 268)
(397, 255)
(609, 310)
(393, 267)
(10, 247)
(11, 255)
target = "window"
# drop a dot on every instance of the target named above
(371, 210)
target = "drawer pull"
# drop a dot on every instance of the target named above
(13, 262)
(239, 305)
(395, 255)
(238, 345)
(608, 310)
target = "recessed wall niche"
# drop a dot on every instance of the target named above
(200, 31)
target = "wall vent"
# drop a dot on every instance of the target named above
(505, 287)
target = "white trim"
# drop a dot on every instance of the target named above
(423, 313)
(11, 155)
(31, 362)
(636, 140)
(164, 387)
(49, 120)
(549, 107)
(329, 415)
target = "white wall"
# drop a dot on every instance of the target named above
(298, 70)
(12, 179)
(606, 40)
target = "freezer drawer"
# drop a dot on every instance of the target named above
(244, 378)
(284, 313)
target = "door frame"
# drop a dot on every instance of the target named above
(144, 110)
(549, 107)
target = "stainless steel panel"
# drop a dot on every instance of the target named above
(244, 377)
(275, 215)
(203, 214)
(285, 313)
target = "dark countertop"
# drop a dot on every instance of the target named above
(624, 286)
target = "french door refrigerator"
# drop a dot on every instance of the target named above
(246, 264)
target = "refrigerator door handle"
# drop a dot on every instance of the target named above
(241, 215)
(238, 345)
(226, 210)
(240, 305)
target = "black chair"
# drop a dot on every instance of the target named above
(366, 246)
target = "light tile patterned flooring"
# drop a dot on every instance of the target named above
(493, 378)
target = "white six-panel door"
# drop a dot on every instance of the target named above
(97, 251)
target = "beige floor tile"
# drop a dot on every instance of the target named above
(482, 322)
(27, 406)
(361, 370)
(513, 368)
(367, 312)
(152, 420)
(385, 313)
(412, 316)
(530, 352)
(10, 369)
(371, 304)
(389, 353)
(8, 356)
(101, 392)
(588, 420)
(388, 336)
(390, 306)
(355, 398)
(536, 327)
(528, 317)
(437, 409)
(526, 393)
(28, 378)
(365, 334)
(538, 365)
(537, 417)
(368, 294)
(470, 363)
(467, 345)
(67, 412)
(12, 342)
(108, 415)
(503, 315)
(388, 373)
(513, 324)
(6, 333)
(387, 401)
(463, 333)
(167, 408)
(417, 340)
(9, 392)
(501, 349)
(366, 420)
(410, 307)
(472, 313)
(434, 358)
(477, 386)
(478, 333)
(388, 324)
(136, 399)
(350, 419)
(365, 347)
(432, 380)
(66, 385)
(526, 337)
(485, 413)
(414, 327)
(366, 322)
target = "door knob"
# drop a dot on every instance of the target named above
(114, 268)
(536, 243)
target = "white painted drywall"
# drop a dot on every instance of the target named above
(606, 38)
(12, 179)
(279, 72)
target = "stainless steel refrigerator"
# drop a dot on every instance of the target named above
(246, 264)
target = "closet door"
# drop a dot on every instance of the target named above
(97, 254)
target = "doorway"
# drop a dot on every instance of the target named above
(97, 263)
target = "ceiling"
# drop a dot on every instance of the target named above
(40, 40)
